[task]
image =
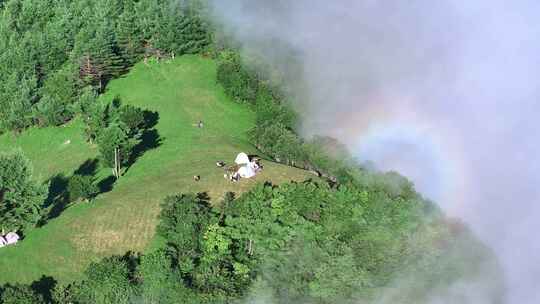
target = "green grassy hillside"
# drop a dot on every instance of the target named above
(183, 92)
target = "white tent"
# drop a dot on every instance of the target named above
(242, 159)
(246, 171)
(2, 242)
(12, 238)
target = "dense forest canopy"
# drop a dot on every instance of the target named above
(348, 236)
(50, 50)
(300, 242)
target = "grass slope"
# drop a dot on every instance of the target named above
(183, 92)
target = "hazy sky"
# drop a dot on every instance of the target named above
(445, 92)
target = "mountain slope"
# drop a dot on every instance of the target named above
(182, 91)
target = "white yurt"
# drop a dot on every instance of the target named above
(247, 168)
(11, 238)
(241, 159)
(246, 171)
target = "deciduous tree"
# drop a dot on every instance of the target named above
(19, 294)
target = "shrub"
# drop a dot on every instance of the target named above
(81, 187)
(20, 294)
(107, 281)
(237, 81)
(133, 118)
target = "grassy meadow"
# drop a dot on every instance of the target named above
(182, 91)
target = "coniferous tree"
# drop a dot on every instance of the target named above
(107, 52)
(102, 38)
(91, 69)
(194, 33)
(133, 118)
(167, 38)
(21, 198)
(81, 187)
(117, 129)
(59, 94)
(97, 53)
(116, 147)
(92, 113)
(16, 99)
(149, 16)
(129, 34)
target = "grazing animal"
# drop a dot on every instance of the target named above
(197, 178)
(220, 163)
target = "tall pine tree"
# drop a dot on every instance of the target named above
(21, 198)
(129, 34)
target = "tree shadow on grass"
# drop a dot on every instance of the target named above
(44, 287)
(150, 119)
(57, 189)
(150, 138)
(88, 168)
(106, 184)
(58, 196)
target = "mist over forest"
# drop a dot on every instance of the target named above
(207, 151)
(443, 92)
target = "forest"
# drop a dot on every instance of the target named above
(343, 234)
(53, 50)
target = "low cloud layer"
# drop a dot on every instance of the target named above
(445, 92)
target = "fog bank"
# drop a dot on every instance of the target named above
(445, 92)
